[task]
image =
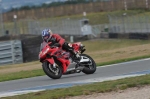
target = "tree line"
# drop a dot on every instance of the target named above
(53, 4)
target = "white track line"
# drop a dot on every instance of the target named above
(124, 63)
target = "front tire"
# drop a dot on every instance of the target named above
(90, 66)
(54, 73)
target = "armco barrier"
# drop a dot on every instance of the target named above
(11, 52)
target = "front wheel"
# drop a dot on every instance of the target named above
(52, 72)
(89, 64)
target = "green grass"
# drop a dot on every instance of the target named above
(18, 65)
(88, 89)
(21, 75)
(99, 45)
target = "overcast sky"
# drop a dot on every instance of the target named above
(7, 4)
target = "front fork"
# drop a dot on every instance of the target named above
(51, 62)
(52, 65)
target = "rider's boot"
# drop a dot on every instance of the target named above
(75, 56)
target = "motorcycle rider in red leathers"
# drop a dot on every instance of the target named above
(58, 41)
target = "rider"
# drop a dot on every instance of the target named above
(58, 41)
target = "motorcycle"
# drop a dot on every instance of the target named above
(57, 62)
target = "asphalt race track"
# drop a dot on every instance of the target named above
(109, 72)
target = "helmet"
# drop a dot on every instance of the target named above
(46, 34)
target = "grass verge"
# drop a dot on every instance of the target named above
(39, 72)
(100, 87)
(21, 75)
(123, 60)
(19, 65)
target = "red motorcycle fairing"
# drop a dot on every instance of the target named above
(60, 54)
(50, 60)
(63, 57)
(65, 64)
(76, 46)
(47, 49)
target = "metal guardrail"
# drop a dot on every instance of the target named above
(62, 27)
(11, 52)
(129, 23)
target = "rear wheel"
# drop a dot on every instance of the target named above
(89, 64)
(51, 71)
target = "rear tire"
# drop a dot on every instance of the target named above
(51, 73)
(89, 69)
